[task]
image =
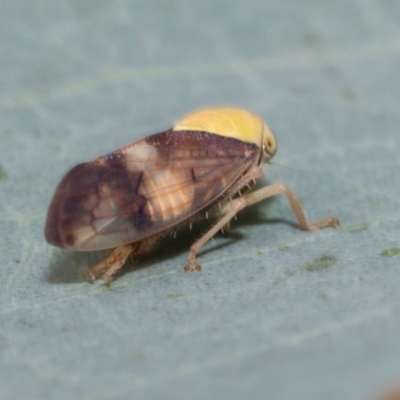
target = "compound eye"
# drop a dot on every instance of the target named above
(269, 142)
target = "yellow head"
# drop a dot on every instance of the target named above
(231, 122)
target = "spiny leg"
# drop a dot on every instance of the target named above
(230, 209)
(236, 206)
(110, 265)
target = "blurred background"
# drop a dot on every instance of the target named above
(276, 313)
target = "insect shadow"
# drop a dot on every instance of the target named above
(72, 266)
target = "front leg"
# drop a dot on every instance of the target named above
(278, 188)
(230, 209)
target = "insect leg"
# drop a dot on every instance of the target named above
(230, 209)
(113, 262)
(277, 188)
(235, 206)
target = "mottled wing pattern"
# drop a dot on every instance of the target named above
(144, 188)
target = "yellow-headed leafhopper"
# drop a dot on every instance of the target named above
(130, 198)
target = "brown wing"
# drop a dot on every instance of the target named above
(144, 188)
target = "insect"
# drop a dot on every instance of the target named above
(129, 199)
